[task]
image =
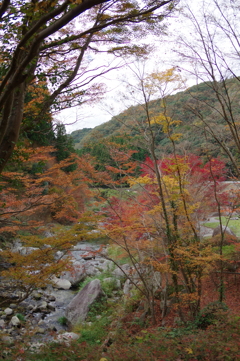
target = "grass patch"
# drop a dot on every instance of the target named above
(96, 332)
(233, 224)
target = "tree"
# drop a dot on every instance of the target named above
(158, 224)
(103, 151)
(39, 133)
(29, 201)
(48, 41)
(211, 55)
(64, 146)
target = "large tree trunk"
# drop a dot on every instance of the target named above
(10, 125)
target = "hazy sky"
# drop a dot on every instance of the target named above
(164, 57)
(91, 115)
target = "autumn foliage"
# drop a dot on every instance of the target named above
(34, 197)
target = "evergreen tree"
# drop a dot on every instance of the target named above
(64, 146)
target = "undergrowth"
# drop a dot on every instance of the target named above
(220, 341)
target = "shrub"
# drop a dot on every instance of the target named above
(21, 317)
(63, 321)
(212, 313)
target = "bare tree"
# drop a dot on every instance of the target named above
(210, 54)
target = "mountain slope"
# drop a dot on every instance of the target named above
(190, 106)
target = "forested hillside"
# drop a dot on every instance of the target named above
(190, 107)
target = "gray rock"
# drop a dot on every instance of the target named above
(48, 234)
(15, 321)
(2, 323)
(7, 339)
(24, 251)
(51, 307)
(8, 311)
(92, 271)
(106, 265)
(67, 337)
(226, 230)
(77, 275)
(43, 306)
(77, 310)
(51, 298)
(36, 295)
(61, 284)
(40, 330)
(36, 346)
(127, 288)
(13, 306)
(119, 273)
(59, 255)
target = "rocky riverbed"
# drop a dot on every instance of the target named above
(48, 314)
(42, 316)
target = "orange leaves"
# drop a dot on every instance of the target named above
(52, 191)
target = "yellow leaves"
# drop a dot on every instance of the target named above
(168, 125)
(161, 119)
(189, 297)
(166, 82)
(161, 267)
(175, 137)
(189, 350)
(165, 121)
(166, 76)
(155, 209)
(140, 180)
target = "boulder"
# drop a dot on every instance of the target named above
(75, 276)
(106, 265)
(77, 310)
(61, 284)
(126, 269)
(91, 270)
(127, 288)
(226, 230)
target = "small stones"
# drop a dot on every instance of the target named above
(51, 307)
(8, 311)
(39, 330)
(15, 322)
(36, 296)
(43, 306)
(13, 306)
(7, 339)
(67, 336)
(51, 298)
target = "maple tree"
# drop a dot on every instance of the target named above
(29, 201)
(48, 41)
(158, 227)
(163, 236)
